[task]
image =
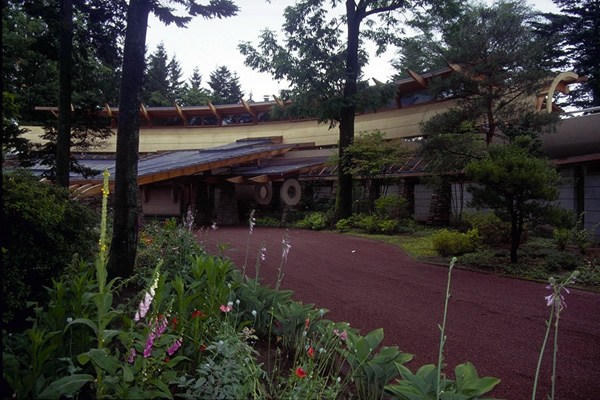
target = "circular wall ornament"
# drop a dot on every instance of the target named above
(290, 192)
(263, 193)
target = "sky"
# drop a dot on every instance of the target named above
(208, 44)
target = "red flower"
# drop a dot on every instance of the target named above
(300, 373)
(311, 352)
(167, 359)
(202, 348)
(306, 323)
(175, 321)
(198, 314)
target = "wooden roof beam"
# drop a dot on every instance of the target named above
(417, 78)
(180, 113)
(214, 110)
(108, 110)
(144, 112)
(249, 109)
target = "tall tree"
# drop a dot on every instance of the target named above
(194, 94)
(123, 248)
(574, 36)
(156, 82)
(177, 86)
(500, 69)
(225, 86)
(323, 68)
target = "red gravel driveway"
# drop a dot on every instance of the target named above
(496, 323)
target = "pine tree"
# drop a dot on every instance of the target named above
(194, 94)
(225, 86)
(156, 84)
(177, 86)
(575, 42)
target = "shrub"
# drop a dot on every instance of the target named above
(492, 229)
(43, 231)
(270, 222)
(392, 207)
(366, 223)
(562, 261)
(561, 237)
(389, 226)
(168, 241)
(315, 221)
(343, 225)
(448, 243)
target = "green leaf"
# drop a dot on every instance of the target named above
(100, 359)
(127, 373)
(164, 389)
(84, 321)
(67, 386)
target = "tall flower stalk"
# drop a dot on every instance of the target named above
(251, 223)
(443, 331)
(556, 302)
(285, 250)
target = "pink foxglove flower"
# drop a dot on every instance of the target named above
(147, 300)
(174, 347)
(131, 356)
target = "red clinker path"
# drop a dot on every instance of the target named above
(496, 323)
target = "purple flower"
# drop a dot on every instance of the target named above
(131, 356)
(174, 347)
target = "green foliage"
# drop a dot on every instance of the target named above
(489, 226)
(225, 86)
(422, 385)
(316, 221)
(270, 222)
(168, 241)
(343, 225)
(453, 243)
(573, 33)
(372, 367)
(561, 237)
(562, 261)
(392, 207)
(516, 185)
(230, 370)
(43, 230)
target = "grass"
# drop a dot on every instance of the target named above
(533, 261)
(418, 245)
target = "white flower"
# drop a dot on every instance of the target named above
(69, 320)
(254, 313)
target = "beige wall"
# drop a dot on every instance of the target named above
(399, 123)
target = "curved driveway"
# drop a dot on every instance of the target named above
(496, 323)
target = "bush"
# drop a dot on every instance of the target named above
(562, 261)
(270, 222)
(43, 231)
(392, 207)
(366, 223)
(343, 225)
(316, 221)
(492, 229)
(561, 237)
(453, 243)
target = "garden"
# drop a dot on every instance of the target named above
(190, 324)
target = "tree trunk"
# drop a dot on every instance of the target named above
(125, 227)
(63, 139)
(348, 111)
